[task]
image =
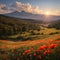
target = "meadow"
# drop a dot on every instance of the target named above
(22, 39)
(45, 48)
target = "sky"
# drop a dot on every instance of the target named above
(51, 7)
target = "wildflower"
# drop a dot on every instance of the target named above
(38, 50)
(34, 54)
(42, 47)
(47, 52)
(23, 53)
(46, 47)
(27, 51)
(30, 55)
(39, 56)
(52, 46)
(12, 51)
(32, 48)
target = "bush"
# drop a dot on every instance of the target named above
(33, 33)
(42, 33)
(54, 33)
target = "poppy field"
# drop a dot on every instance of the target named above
(45, 52)
(38, 50)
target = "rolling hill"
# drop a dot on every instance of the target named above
(12, 26)
(55, 24)
(24, 29)
(26, 15)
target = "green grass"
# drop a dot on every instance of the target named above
(10, 50)
(43, 33)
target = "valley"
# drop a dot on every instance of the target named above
(25, 37)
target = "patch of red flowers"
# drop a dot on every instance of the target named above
(47, 52)
(12, 50)
(23, 53)
(52, 46)
(43, 47)
(39, 56)
(27, 51)
(34, 54)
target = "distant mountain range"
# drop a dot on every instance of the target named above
(26, 15)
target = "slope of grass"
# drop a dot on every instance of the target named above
(45, 49)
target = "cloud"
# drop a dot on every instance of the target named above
(18, 6)
(4, 9)
(57, 12)
(1, 6)
(25, 7)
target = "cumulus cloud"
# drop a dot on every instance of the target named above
(18, 6)
(25, 7)
(4, 9)
(2, 5)
(57, 12)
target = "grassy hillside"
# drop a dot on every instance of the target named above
(31, 40)
(13, 26)
(26, 29)
(44, 49)
(55, 24)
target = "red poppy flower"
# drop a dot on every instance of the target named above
(34, 54)
(52, 46)
(23, 53)
(42, 47)
(30, 55)
(12, 51)
(27, 51)
(47, 52)
(39, 56)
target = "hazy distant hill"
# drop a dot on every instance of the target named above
(27, 15)
(24, 15)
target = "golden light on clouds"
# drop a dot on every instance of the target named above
(18, 6)
(48, 12)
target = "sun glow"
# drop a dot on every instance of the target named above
(47, 13)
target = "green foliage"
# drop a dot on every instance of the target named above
(12, 26)
(54, 33)
(55, 24)
(43, 52)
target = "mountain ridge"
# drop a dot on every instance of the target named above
(26, 15)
